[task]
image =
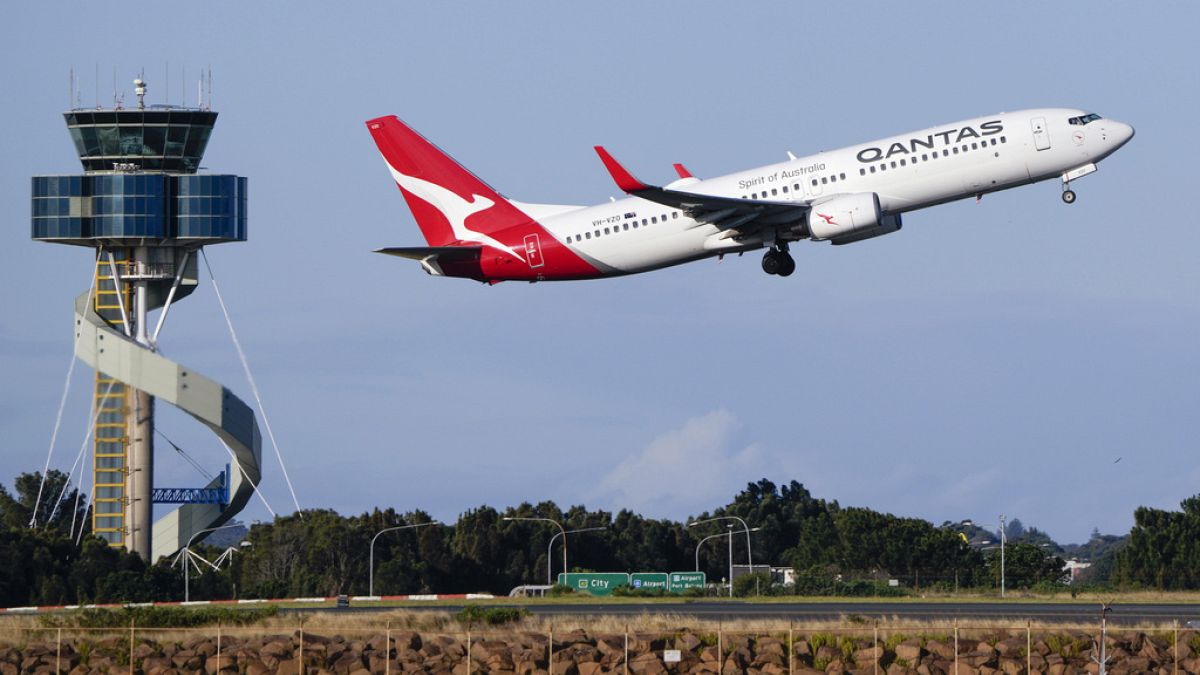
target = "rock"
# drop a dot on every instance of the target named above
(257, 667)
(910, 651)
(346, 663)
(215, 664)
(279, 649)
(409, 639)
(1011, 647)
(610, 644)
(590, 668)
(940, 649)
(688, 642)
(1012, 667)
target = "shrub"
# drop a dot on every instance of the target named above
(158, 617)
(559, 590)
(491, 616)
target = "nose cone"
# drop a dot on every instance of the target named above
(1122, 133)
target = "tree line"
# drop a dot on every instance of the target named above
(320, 552)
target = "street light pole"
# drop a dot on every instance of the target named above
(549, 576)
(371, 557)
(730, 527)
(187, 557)
(745, 528)
(711, 536)
(560, 531)
(1003, 540)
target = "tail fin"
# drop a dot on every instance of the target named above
(441, 193)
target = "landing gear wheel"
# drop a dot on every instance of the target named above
(1069, 196)
(787, 266)
(772, 262)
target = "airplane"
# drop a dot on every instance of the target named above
(840, 196)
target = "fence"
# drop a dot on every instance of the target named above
(959, 649)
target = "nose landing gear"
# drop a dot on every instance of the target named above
(778, 261)
(1068, 195)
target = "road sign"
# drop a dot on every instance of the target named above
(595, 583)
(649, 581)
(680, 581)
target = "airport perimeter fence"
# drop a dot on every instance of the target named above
(957, 648)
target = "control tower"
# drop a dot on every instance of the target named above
(142, 206)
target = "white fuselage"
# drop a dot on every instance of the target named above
(907, 172)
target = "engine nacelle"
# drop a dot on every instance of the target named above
(844, 216)
(889, 224)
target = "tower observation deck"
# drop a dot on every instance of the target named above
(141, 204)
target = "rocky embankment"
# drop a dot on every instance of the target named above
(580, 653)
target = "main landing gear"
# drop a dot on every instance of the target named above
(778, 261)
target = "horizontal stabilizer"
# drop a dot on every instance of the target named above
(443, 253)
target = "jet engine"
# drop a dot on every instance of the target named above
(844, 216)
(845, 219)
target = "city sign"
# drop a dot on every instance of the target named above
(595, 583)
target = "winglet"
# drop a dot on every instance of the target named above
(682, 171)
(624, 179)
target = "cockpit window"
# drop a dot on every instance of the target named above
(1084, 119)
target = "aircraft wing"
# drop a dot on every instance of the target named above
(746, 215)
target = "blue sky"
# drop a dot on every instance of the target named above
(990, 358)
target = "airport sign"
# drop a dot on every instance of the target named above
(681, 581)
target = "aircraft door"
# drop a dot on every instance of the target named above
(533, 251)
(1041, 139)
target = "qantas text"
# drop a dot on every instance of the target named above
(948, 137)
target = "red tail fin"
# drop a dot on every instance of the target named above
(440, 192)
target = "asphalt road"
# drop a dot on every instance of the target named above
(1128, 614)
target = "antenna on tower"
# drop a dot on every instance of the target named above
(139, 88)
(208, 106)
(167, 83)
(71, 84)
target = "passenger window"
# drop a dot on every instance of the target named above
(924, 157)
(796, 187)
(945, 153)
(862, 172)
(843, 176)
(588, 235)
(643, 222)
(774, 192)
(626, 227)
(674, 214)
(956, 149)
(872, 168)
(814, 182)
(833, 179)
(606, 230)
(824, 180)
(1003, 139)
(784, 189)
(635, 224)
(903, 163)
(974, 146)
(883, 167)
(893, 164)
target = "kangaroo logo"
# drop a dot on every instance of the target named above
(828, 219)
(454, 208)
